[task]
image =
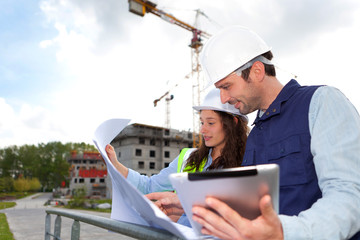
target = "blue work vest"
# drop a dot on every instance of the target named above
(281, 135)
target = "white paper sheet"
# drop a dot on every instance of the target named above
(128, 204)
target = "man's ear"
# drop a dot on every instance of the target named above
(258, 71)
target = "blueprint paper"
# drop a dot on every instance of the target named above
(129, 204)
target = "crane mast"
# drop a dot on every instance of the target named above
(168, 98)
(141, 7)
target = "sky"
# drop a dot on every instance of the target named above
(68, 65)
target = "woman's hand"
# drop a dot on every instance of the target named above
(169, 203)
(110, 151)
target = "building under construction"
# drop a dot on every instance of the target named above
(148, 149)
(143, 148)
(88, 172)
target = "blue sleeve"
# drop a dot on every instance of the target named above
(156, 183)
(335, 144)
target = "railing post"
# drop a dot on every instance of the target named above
(75, 230)
(47, 226)
(128, 229)
(57, 227)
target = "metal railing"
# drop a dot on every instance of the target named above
(128, 229)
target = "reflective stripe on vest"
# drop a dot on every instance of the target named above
(181, 162)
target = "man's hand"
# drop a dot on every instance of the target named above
(230, 225)
(169, 203)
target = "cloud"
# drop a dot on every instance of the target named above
(28, 125)
(8, 115)
(103, 22)
(95, 60)
(132, 69)
(126, 60)
(286, 25)
(296, 24)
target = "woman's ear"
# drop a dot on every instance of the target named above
(236, 119)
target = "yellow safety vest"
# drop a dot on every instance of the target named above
(188, 168)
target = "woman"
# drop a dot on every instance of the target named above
(224, 131)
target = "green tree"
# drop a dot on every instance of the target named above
(21, 185)
(6, 184)
(60, 164)
(35, 184)
(79, 199)
(9, 162)
(46, 162)
(28, 156)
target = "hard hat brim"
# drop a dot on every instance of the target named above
(200, 108)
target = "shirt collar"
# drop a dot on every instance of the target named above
(275, 107)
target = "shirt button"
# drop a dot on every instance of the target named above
(267, 113)
(274, 110)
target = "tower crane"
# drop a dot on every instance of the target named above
(168, 98)
(141, 7)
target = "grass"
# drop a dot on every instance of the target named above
(4, 205)
(5, 233)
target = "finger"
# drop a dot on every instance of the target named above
(211, 223)
(158, 204)
(155, 195)
(165, 197)
(173, 209)
(230, 215)
(207, 232)
(171, 200)
(267, 210)
(173, 214)
(174, 218)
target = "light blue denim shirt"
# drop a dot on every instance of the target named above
(160, 182)
(334, 126)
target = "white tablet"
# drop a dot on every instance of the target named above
(241, 188)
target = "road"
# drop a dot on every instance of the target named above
(27, 221)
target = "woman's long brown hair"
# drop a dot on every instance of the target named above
(235, 141)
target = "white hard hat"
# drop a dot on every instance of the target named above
(228, 50)
(212, 101)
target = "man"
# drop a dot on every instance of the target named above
(312, 132)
